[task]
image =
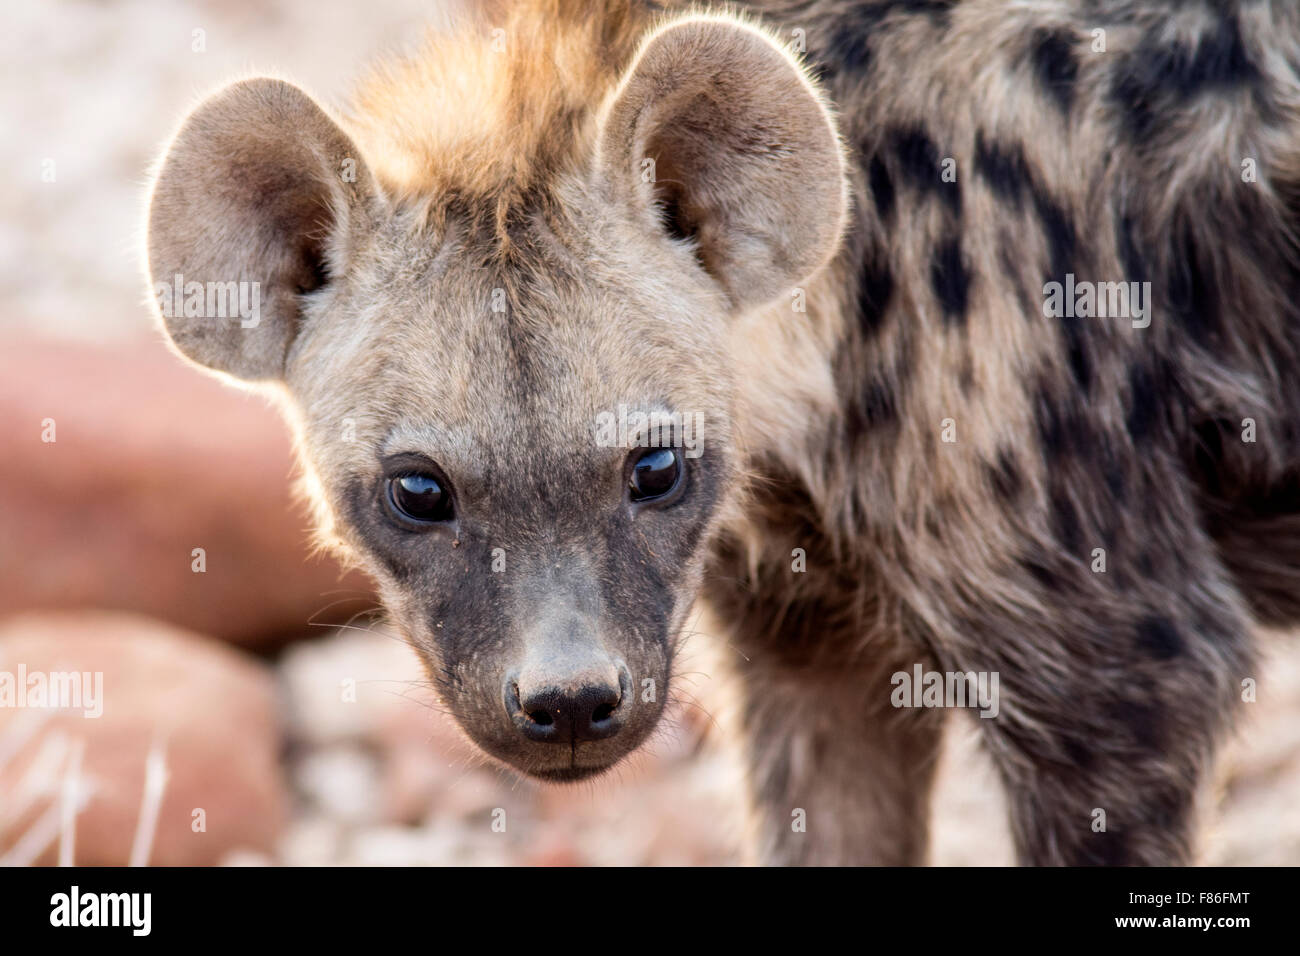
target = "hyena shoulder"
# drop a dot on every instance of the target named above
(1075, 241)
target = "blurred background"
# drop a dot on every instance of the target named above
(253, 711)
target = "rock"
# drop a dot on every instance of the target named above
(152, 459)
(366, 689)
(209, 709)
(343, 782)
(312, 839)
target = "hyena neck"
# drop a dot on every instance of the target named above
(784, 357)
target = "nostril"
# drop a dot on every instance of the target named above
(609, 702)
(539, 715)
(602, 707)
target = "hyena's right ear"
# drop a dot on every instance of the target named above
(263, 190)
(717, 127)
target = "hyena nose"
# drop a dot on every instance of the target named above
(573, 708)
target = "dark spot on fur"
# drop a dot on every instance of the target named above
(882, 187)
(1059, 231)
(1143, 403)
(1130, 257)
(937, 10)
(1146, 565)
(849, 48)
(1207, 458)
(874, 408)
(1110, 847)
(1112, 471)
(1066, 521)
(1158, 75)
(1166, 804)
(1158, 637)
(918, 161)
(1062, 430)
(876, 288)
(918, 156)
(1193, 292)
(1141, 719)
(1052, 55)
(1003, 167)
(1076, 350)
(1079, 754)
(1052, 581)
(1005, 477)
(951, 281)
(878, 406)
(1052, 433)
(966, 374)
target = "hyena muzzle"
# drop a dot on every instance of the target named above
(948, 339)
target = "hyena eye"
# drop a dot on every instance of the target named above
(419, 497)
(656, 473)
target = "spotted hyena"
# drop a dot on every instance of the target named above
(917, 338)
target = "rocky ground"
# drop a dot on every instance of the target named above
(679, 804)
(337, 754)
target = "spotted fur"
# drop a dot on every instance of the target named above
(1072, 434)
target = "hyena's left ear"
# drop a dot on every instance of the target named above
(746, 158)
(262, 197)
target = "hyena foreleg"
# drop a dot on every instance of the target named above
(1116, 681)
(835, 774)
(834, 778)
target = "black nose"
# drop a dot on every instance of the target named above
(563, 712)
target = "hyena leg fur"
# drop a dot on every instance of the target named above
(835, 774)
(1114, 690)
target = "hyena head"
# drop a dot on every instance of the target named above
(502, 331)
